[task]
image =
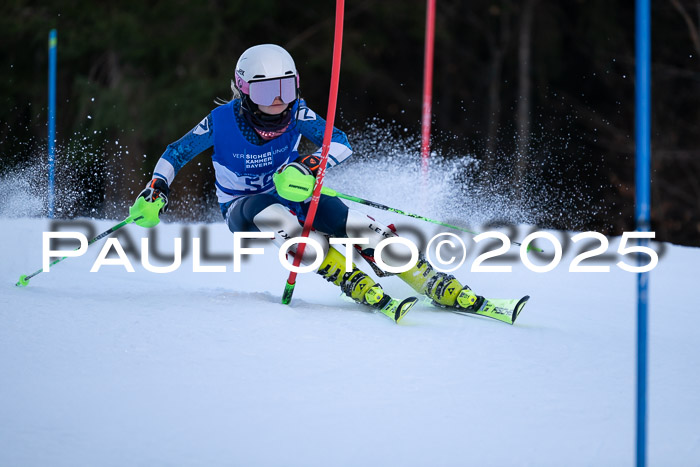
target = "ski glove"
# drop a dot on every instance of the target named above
(294, 181)
(152, 201)
(312, 161)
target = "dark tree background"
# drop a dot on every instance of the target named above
(515, 81)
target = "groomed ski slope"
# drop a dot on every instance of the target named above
(189, 369)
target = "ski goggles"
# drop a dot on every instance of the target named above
(265, 91)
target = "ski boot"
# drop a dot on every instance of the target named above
(443, 289)
(361, 288)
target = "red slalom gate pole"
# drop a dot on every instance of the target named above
(427, 87)
(328, 133)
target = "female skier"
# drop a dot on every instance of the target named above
(255, 136)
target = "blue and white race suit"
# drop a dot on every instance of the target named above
(243, 162)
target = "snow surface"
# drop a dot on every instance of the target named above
(187, 369)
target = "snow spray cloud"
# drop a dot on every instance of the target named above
(22, 193)
(81, 177)
(468, 186)
(95, 176)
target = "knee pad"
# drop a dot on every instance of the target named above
(285, 225)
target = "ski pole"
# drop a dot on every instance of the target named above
(330, 192)
(24, 279)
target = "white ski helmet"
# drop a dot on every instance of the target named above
(264, 72)
(267, 65)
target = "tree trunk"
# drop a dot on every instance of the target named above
(524, 92)
(498, 48)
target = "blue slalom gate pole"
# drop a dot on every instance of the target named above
(642, 210)
(53, 40)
